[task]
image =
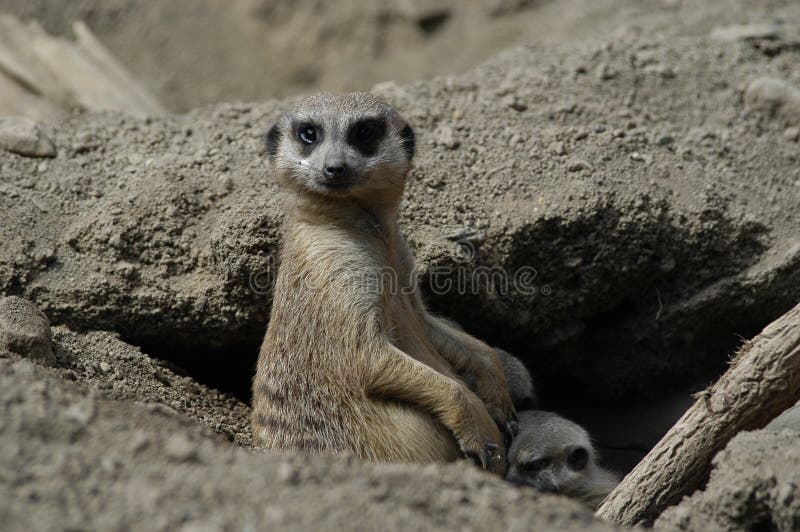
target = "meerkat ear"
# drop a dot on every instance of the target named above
(271, 141)
(409, 141)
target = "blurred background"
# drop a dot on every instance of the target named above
(187, 54)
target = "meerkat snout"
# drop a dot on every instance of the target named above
(555, 455)
(342, 146)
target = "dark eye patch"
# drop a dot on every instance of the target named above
(271, 141)
(577, 459)
(365, 135)
(535, 466)
(409, 141)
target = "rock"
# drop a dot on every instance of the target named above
(557, 147)
(792, 134)
(788, 420)
(24, 136)
(578, 165)
(755, 485)
(665, 140)
(445, 136)
(775, 97)
(24, 330)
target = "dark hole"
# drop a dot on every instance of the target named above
(432, 23)
(229, 369)
(764, 524)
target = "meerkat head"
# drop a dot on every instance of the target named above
(555, 455)
(342, 145)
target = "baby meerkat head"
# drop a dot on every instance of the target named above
(342, 145)
(556, 455)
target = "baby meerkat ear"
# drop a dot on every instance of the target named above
(271, 141)
(409, 141)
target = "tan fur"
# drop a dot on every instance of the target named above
(351, 359)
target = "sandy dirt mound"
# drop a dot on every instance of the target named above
(72, 459)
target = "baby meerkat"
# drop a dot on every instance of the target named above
(351, 360)
(556, 455)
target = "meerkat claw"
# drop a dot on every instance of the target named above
(483, 456)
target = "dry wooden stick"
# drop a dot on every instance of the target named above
(762, 382)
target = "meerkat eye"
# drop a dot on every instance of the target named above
(578, 459)
(535, 466)
(307, 133)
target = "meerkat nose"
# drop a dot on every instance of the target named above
(335, 171)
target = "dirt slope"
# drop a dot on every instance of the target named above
(74, 460)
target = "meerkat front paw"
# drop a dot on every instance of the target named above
(489, 384)
(479, 438)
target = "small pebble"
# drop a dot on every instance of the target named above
(445, 136)
(774, 96)
(557, 147)
(792, 134)
(40, 203)
(24, 136)
(24, 330)
(605, 72)
(577, 165)
(665, 140)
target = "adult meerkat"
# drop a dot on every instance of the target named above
(351, 360)
(555, 455)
